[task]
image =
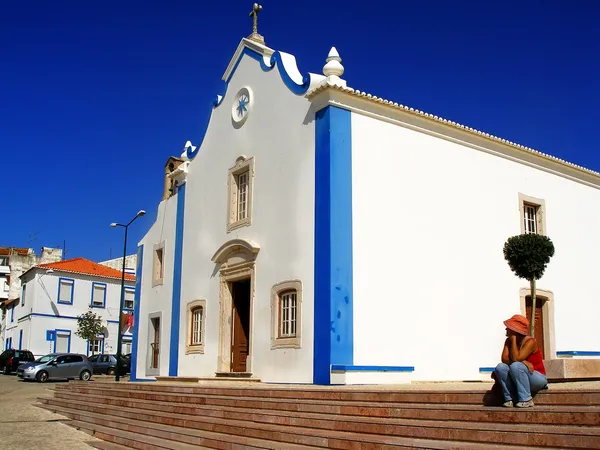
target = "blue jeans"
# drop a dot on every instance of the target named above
(517, 383)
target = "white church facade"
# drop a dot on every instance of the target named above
(319, 234)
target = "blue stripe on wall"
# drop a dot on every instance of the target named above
(136, 314)
(333, 321)
(175, 308)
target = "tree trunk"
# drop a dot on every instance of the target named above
(532, 318)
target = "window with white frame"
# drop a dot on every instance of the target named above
(197, 314)
(96, 345)
(287, 314)
(158, 264)
(240, 182)
(286, 309)
(530, 218)
(532, 215)
(129, 301)
(65, 290)
(23, 294)
(98, 295)
(196, 323)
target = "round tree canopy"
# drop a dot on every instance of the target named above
(528, 255)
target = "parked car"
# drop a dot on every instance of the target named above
(57, 365)
(10, 359)
(108, 364)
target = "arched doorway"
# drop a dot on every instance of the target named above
(235, 262)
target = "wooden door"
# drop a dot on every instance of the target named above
(156, 342)
(240, 332)
(539, 320)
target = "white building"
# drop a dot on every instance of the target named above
(320, 234)
(117, 263)
(14, 261)
(44, 318)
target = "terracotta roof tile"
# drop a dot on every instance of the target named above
(7, 251)
(86, 267)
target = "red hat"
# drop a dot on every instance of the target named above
(518, 324)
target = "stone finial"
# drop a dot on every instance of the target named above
(255, 36)
(333, 66)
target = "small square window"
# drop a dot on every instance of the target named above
(240, 186)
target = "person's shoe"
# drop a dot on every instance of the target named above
(527, 404)
(508, 404)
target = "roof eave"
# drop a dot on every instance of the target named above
(386, 110)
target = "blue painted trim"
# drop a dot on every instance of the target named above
(20, 339)
(56, 317)
(298, 89)
(176, 297)
(57, 330)
(72, 290)
(8, 344)
(140, 380)
(345, 368)
(136, 314)
(95, 283)
(577, 353)
(486, 369)
(333, 315)
(12, 314)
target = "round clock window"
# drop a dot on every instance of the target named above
(241, 106)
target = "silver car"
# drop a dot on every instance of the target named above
(56, 365)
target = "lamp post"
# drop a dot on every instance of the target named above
(120, 330)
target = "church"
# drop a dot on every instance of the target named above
(319, 234)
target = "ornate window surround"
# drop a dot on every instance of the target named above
(189, 347)
(540, 214)
(276, 290)
(242, 164)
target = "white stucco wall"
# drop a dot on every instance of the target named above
(41, 311)
(431, 286)
(280, 137)
(157, 299)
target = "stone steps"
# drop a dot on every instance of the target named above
(556, 396)
(558, 415)
(312, 426)
(272, 417)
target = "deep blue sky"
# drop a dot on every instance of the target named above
(94, 96)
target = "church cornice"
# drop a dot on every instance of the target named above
(382, 109)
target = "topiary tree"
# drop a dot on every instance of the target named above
(528, 255)
(89, 326)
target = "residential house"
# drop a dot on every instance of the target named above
(52, 296)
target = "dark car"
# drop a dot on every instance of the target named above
(11, 359)
(108, 364)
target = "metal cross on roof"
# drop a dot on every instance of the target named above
(254, 14)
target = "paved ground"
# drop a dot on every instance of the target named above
(24, 426)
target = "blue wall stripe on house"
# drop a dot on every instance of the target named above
(175, 309)
(136, 314)
(333, 320)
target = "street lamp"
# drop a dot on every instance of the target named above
(120, 332)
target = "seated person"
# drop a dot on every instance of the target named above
(521, 372)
